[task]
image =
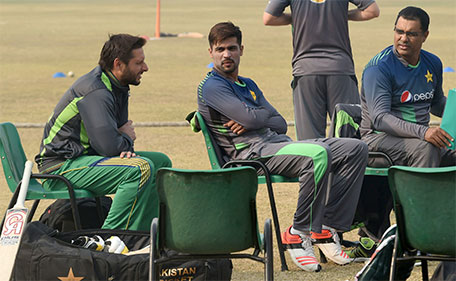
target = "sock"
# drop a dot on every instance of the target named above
(299, 232)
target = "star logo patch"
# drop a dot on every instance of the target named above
(70, 277)
(428, 76)
(253, 95)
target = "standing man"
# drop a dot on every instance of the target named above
(90, 141)
(246, 126)
(400, 86)
(323, 70)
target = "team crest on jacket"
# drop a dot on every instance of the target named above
(253, 94)
(318, 1)
(428, 77)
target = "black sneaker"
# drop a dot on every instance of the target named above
(363, 251)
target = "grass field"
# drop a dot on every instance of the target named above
(41, 37)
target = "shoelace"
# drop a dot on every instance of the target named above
(306, 242)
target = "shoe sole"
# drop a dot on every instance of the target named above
(360, 259)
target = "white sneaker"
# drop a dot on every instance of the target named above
(328, 242)
(301, 250)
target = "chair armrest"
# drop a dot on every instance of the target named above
(254, 163)
(56, 177)
(386, 161)
(74, 206)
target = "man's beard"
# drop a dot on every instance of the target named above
(129, 78)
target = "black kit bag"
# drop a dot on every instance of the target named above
(47, 254)
(59, 214)
(379, 266)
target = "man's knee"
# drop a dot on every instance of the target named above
(425, 155)
(141, 169)
(159, 160)
(358, 147)
(350, 150)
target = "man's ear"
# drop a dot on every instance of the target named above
(242, 50)
(426, 34)
(117, 64)
(210, 52)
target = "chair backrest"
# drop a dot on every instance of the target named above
(424, 203)
(207, 212)
(12, 154)
(216, 155)
(345, 121)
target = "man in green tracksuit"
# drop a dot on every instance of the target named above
(90, 141)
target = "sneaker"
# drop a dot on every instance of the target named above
(301, 250)
(363, 251)
(328, 242)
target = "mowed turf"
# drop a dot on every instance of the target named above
(39, 38)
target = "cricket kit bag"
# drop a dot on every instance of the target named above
(47, 254)
(59, 214)
(379, 265)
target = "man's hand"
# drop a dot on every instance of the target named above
(128, 129)
(438, 137)
(235, 127)
(127, 154)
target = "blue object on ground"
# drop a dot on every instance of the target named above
(211, 65)
(448, 69)
(58, 75)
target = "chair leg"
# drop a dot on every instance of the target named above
(75, 210)
(99, 209)
(275, 217)
(74, 205)
(153, 267)
(424, 270)
(323, 258)
(33, 210)
(268, 255)
(394, 258)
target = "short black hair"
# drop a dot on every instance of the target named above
(222, 31)
(119, 46)
(415, 13)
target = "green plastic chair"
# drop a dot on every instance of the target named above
(218, 159)
(208, 214)
(13, 159)
(425, 208)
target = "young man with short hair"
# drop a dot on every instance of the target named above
(246, 126)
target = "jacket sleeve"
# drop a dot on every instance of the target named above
(378, 93)
(276, 7)
(276, 122)
(439, 99)
(97, 111)
(220, 96)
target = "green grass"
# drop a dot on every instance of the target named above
(41, 37)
